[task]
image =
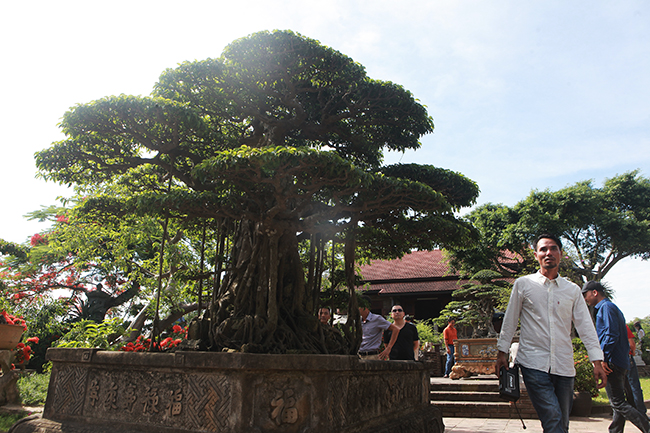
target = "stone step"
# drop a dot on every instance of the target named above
(467, 385)
(467, 409)
(477, 397)
(465, 396)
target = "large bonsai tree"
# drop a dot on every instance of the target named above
(277, 146)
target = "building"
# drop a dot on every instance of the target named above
(421, 282)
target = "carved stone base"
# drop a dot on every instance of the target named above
(100, 391)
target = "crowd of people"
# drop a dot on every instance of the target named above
(545, 309)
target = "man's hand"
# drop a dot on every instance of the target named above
(385, 354)
(601, 370)
(502, 361)
(393, 338)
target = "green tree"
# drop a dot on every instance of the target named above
(500, 246)
(82, 249)
(599, 226)
(277, 142)
(476, 301)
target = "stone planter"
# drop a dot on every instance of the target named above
(581, 404)
(101, 391)
(10, 336)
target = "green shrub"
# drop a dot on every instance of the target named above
(7, 419)
(33, 388)
(427, 332)
(87, 333)
(585, 379)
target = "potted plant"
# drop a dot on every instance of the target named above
(585, 382)
(11, 329)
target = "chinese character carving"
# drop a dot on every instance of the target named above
(174, 406)
(129, 398)
(151, 400)
(93, 392)
(111, 396)
(284, 411)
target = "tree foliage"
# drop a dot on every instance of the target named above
(276, 143)
(475, 301)
(599, 226)
(500, 245)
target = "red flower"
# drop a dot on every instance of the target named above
(37, 239)
(32, 340)
(177, 329)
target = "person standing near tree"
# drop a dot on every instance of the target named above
(372, 328)
(324, 315)
(633, 375)
(450, 334)
(640, 333)
(547, 305)
(408, 342)
(612, 333)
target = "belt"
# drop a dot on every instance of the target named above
(369, 352)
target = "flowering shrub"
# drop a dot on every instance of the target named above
(23, 351)
(10, 319)
(585, 379)
(38, 239)
(139, 345)
(142, 345)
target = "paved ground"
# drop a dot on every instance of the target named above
(496, 425)
(594, 424)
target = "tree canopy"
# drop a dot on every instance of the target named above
(598, 227)
(276, 143)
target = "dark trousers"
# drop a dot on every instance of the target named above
(623, 410)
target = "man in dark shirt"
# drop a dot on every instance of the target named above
(408, 342)
(612, 333)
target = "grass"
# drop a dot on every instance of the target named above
(33, 392)
(7, 419)
(602, 399)
(33, 389)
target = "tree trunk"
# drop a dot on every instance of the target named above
(263, 305)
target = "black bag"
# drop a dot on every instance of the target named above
(509, 383)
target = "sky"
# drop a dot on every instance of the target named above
(524, 95)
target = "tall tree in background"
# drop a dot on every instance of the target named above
(500, 246)
(277, 142)
(599, 226)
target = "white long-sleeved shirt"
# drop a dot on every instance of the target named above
(546, 309)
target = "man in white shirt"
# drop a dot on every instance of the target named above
(547, 304)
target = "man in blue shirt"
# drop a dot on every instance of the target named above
(612, 333)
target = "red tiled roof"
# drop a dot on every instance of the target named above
(416, 272)
(415, 287)
(417, 264)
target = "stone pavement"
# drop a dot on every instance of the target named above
(500, 425)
